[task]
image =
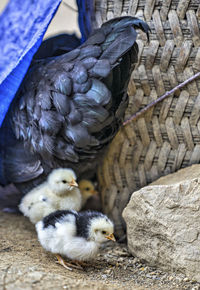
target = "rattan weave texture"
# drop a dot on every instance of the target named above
(167, 137)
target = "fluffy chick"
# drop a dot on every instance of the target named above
(76, 235)
(87, 190)
(60, 191)
(90, 197)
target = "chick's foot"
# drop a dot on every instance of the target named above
(66, 265)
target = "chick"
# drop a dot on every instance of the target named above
(90, 197)
(87, 190)
(76, 235)
(60, 191)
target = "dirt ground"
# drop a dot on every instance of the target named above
(25, 265)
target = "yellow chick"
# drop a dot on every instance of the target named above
(90, 197)
(87, 190)
(59, 192)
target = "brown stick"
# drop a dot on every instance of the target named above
(168, 93)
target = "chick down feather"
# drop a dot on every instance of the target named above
(60, 191)
(76, 235)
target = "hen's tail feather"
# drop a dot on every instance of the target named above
(125, 21)
(117, 36)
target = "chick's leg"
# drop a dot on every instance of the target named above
(66, 265)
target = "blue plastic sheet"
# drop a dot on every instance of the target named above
(22, 27)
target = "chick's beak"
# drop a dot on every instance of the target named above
(73, 183)
(111, 237)
(95, 192)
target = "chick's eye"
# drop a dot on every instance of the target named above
(104, 232)
(87, 188)
(64, 181)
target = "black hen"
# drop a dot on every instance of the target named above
(69, 107)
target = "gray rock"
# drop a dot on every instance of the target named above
(163, 223)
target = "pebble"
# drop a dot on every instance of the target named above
(108, 271)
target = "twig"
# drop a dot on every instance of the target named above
(168, 93)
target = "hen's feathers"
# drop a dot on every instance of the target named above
(70, 106)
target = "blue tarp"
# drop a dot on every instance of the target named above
(22, 27)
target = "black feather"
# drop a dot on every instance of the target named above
(82, 220)
(89, 62)
(70, 55)
(61, 103)
(97, 37)
(18, 171)
(101, 68)
(112, 49)
(62, 83)
(99, 93)
(65, 151)
(49, 121)
(57, 216)
(82, 88)
(43, 99)
(79, 74)
(89, 51)
(75, 115)
(79, 135)
(45, 145)
(69, 107)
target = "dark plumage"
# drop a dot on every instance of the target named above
(69, 107)
(82, 220)
(52, 218)
(57, 45)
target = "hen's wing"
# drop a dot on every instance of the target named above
(71, 106)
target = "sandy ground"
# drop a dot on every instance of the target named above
(24, 264)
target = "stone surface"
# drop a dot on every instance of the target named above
(163, 222)
(184, 174)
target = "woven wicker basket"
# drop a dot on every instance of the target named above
(167, 137)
